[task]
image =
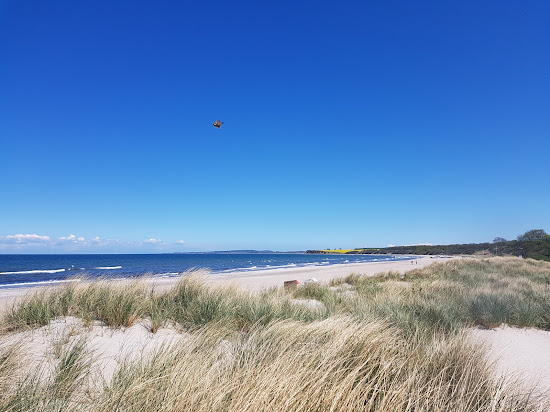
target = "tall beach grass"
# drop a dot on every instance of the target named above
(392, 342)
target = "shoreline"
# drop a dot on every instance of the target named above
(268, 278)
(258, 280)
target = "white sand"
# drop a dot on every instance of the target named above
(522, 354)
(107, 348)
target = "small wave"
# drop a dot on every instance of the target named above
(166, 275)
(248, 269)
(44, 282)
(26, 272)
(290, 265)
(108, 267)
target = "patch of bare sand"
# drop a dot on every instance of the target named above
(106, 348)
(520, 354)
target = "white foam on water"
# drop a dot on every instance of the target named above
(165, 275)
(255, 268)
(44, 282)
(108, 267)
(26, 272)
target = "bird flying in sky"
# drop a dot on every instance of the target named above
(217, 124)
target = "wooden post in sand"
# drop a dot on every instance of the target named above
(291, 284)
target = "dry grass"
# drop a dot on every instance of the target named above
(334, 364)
(388, 343)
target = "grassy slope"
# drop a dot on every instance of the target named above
(392, 342)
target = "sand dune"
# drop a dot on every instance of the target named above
(522, 354)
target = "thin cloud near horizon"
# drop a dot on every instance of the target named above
(35, 242)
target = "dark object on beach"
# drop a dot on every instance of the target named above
(217, 124)
(291, 284)
(482, 326)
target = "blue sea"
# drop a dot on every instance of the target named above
(35, 270)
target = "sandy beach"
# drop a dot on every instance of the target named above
(264, 279)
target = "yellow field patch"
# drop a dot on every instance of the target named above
(337, 250)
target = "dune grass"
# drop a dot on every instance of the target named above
(392, 342)
(191, 303)
(333, 364)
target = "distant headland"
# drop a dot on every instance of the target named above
(533, 244)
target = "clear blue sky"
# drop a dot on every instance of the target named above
(347, 124)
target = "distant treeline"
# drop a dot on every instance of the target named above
(533, 244)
